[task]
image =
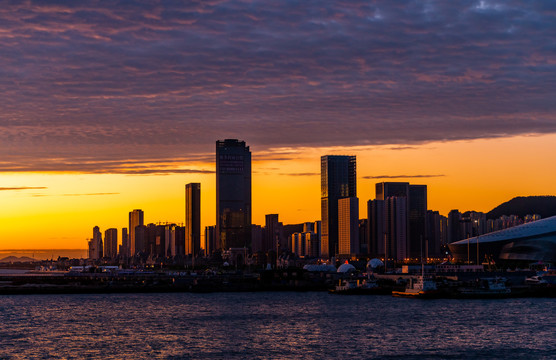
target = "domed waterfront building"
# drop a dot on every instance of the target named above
(534, 241)
(346, 268)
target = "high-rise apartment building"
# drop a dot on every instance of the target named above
(111, 243)
(348, 226)
(210, 240)
(396, 241)
(417, 214)
(135, 219)
(95, 244)
(193, 219)
(415, 197)
(272, 233)
(376, 229)
(124, 252)
(338, 181)
(233, 194)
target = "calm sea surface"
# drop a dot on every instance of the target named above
(273, 326)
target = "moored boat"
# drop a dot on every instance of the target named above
(420, 287)
(485, 288)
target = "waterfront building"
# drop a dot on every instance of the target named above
(348, 227)
(258, 234)
(396, 242)
(534, 241)
(97, 244)
(454, 226)
(210, 240)
(376, 230)
(435, 241)
(140, 235)
(312, 244)
(338, 181)
(417, 218)
(193, 219)
(363, 239)
(124, 249)
(135, 219)
(111, 243)
(272, 233)
(233, 194)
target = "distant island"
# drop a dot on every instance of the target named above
(14, 259)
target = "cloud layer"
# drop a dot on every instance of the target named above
(136, 81)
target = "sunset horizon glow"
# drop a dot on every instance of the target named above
(110, 108)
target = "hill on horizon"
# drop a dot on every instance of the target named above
(545, 206)
(14, 259)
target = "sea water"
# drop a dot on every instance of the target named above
(273, 325)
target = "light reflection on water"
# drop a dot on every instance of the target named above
(272, 326)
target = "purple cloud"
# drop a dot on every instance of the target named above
(166, 79)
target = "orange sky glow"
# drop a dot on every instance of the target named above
(58, 210)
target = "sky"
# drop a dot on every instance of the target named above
(111, 106)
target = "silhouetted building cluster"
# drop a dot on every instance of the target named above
(398, 224)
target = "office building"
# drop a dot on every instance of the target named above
(233, 194)
(193, 219)
(135, 219)
(338, 181)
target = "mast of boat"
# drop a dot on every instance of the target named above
(422, 265)
(478, 250)
(385, 254)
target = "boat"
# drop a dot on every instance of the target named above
(421, 287)
(485, 288)
(359, 287)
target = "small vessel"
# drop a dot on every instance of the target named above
(485, 288)
(535, 280)
(420, 287)
(358, 287)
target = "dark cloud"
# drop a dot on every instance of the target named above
(165, 79)
(401, 176)
(18, 188)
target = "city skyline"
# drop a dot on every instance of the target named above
(109, 108)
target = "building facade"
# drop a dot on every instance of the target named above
(135, 219)
(338, 181)
(193, 219)
(233, 194)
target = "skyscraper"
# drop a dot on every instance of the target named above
(192, 219)
(417, 232)
(415, 197)
(338, 181)
(233, 194)
(135, 219)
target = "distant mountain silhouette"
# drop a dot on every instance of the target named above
(14, 259)
(545, 206)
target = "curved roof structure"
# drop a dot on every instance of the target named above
(532, 241)
(344, 268)
(374, 263)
